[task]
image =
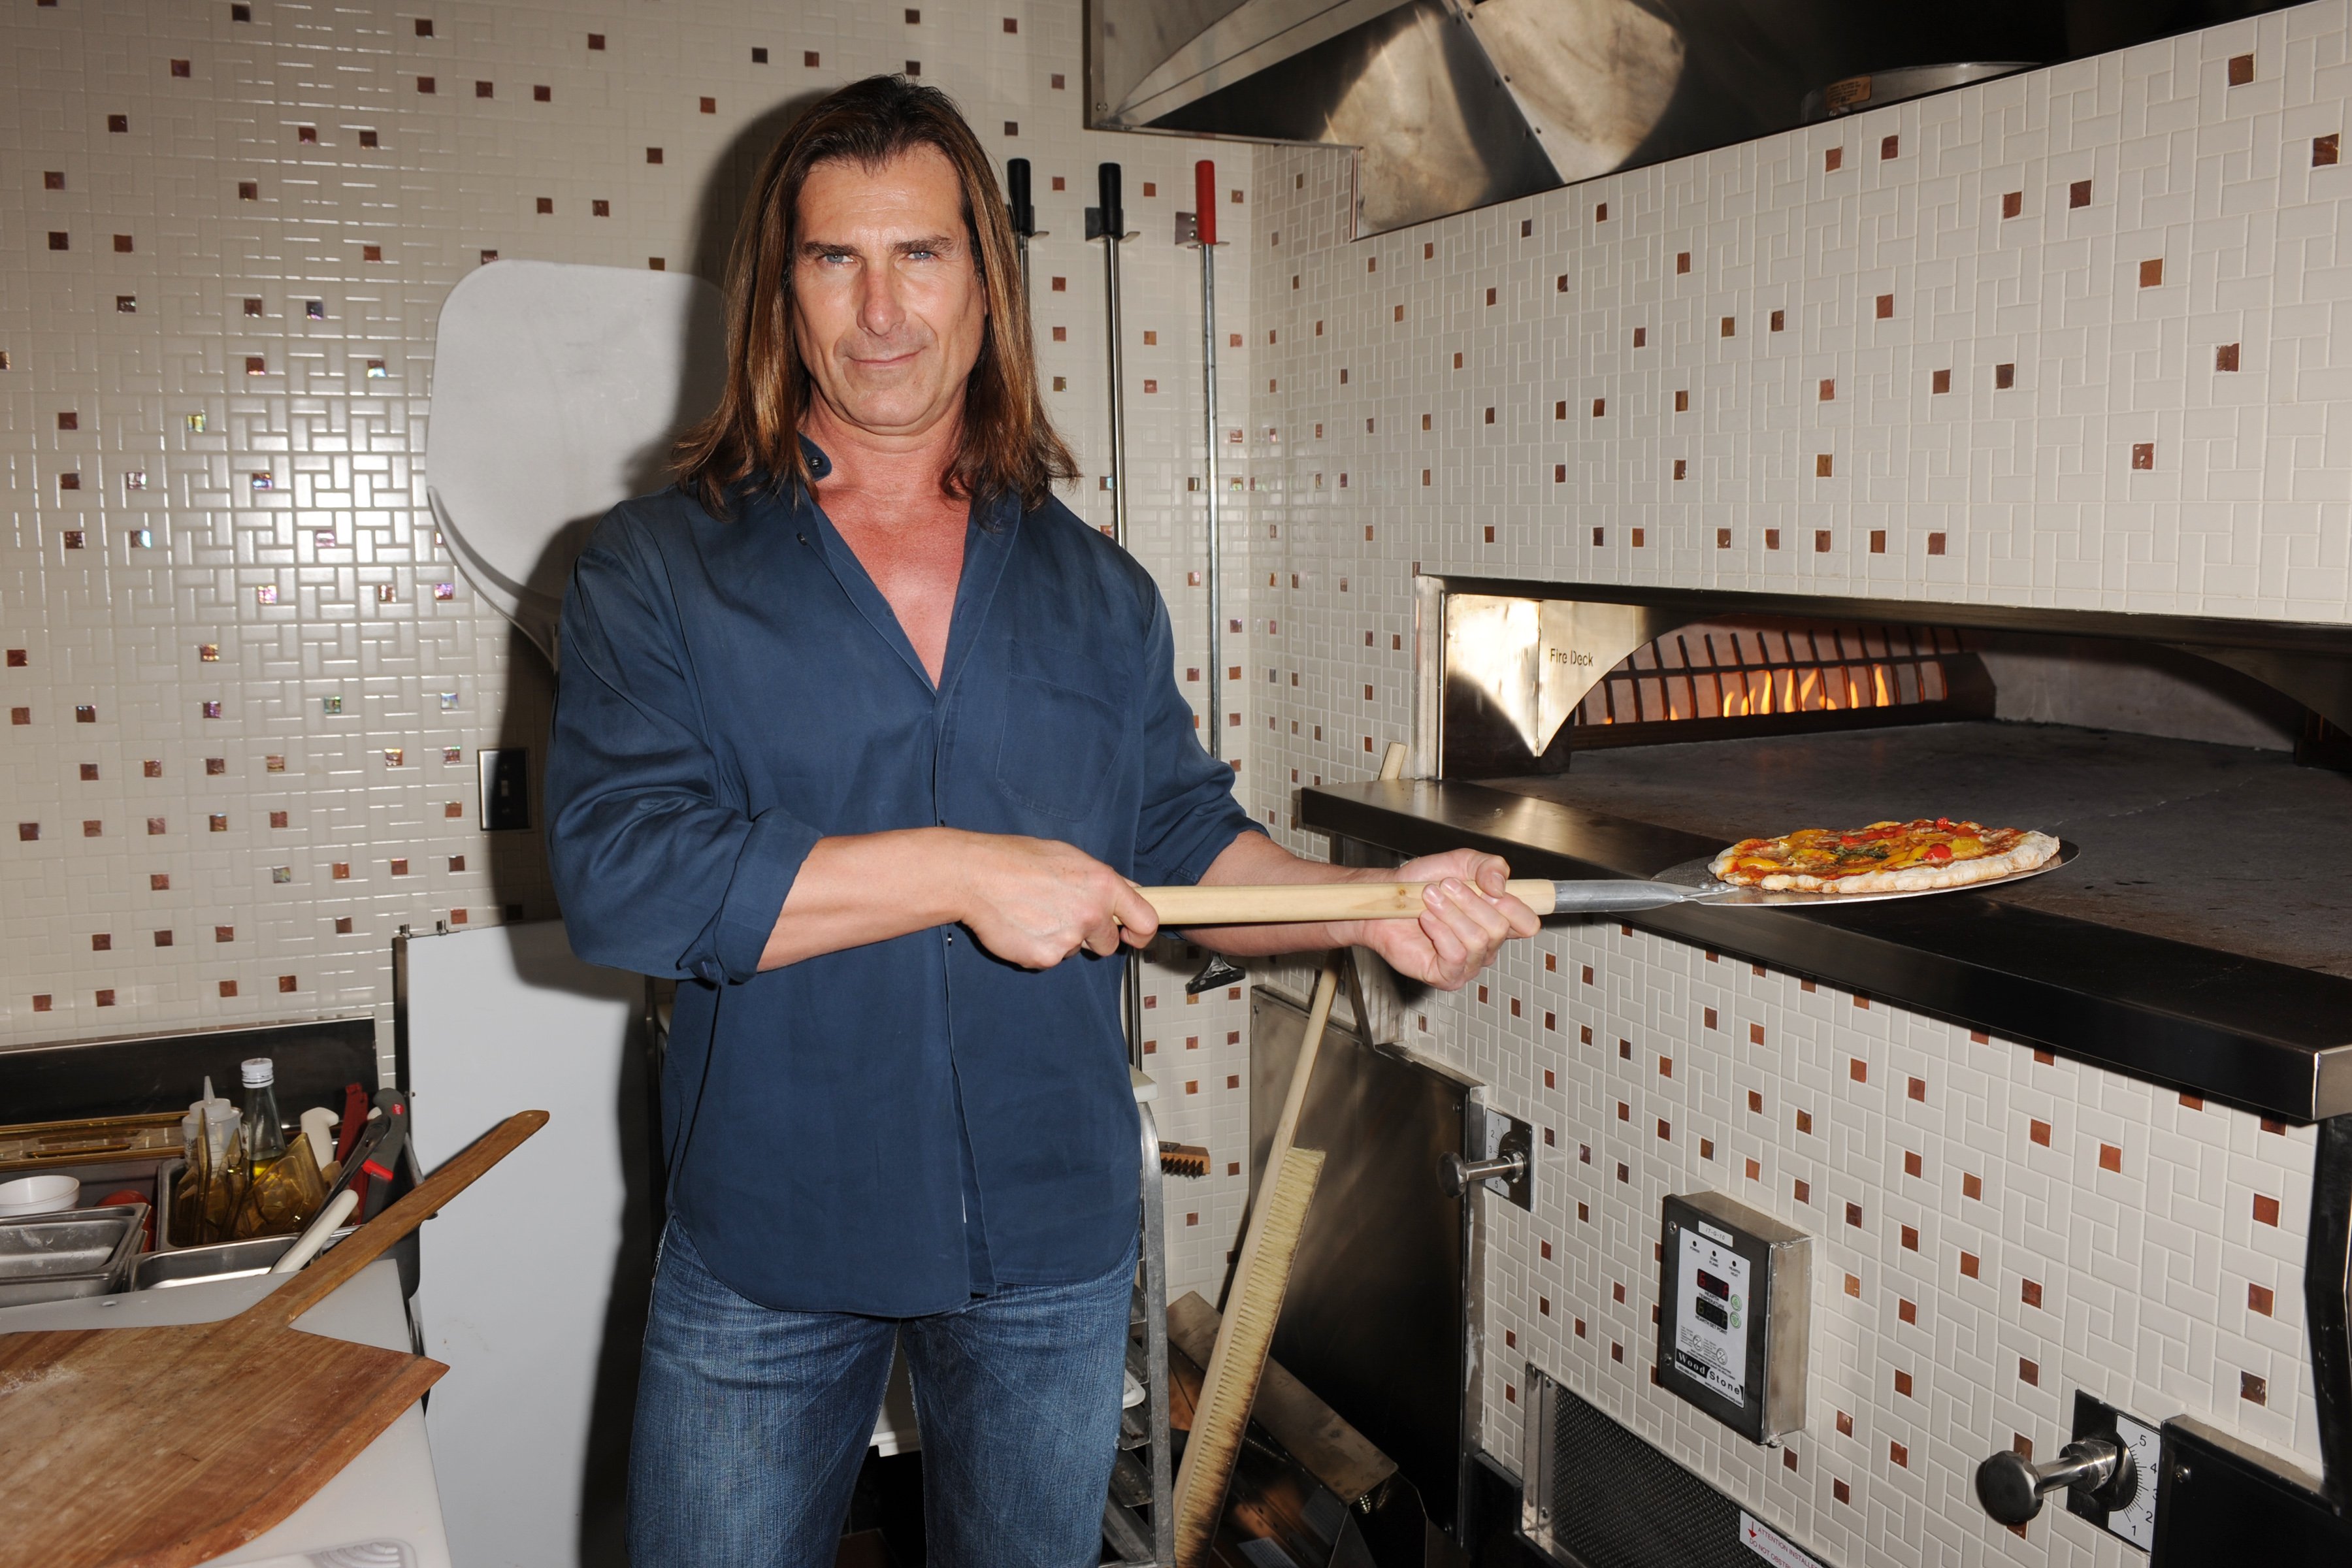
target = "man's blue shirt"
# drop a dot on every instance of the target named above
(893, 1128)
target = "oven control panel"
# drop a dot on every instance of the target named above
(1733, 1320)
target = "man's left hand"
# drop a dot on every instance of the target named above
(1465, 918)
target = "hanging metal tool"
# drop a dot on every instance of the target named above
(1205, 239)
(1023, 212)
(1201, 234)
(1107, 223)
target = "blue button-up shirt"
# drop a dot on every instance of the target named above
(894, 1128)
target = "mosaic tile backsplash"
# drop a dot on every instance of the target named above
(246, 686)
(2063, 339)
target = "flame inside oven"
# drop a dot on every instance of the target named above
(1730, 670)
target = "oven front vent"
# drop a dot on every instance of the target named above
(1770, 675)
(1596, 1496)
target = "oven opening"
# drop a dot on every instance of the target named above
(1779, 676)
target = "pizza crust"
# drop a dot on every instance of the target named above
(2032, 850)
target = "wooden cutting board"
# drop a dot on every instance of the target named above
(165, 1446)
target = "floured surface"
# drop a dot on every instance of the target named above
(2221, 847)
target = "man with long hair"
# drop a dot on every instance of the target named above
(866, 739)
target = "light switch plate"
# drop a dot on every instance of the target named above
(2136, 1520)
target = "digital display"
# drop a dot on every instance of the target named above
(1711, 1315)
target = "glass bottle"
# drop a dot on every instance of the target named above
(282, 1189)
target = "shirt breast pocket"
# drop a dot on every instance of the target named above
(1057, 747)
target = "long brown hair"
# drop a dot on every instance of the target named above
(1008, 447)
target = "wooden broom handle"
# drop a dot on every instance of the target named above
(371, 1241)
(1302, 902)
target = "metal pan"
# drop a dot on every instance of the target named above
(1696, 874)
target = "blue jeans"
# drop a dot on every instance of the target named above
(752, 1423)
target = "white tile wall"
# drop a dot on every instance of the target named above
(279, 154)
(1471, 395)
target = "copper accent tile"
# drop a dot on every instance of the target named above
(2242, 69)
(1821, 466)
(2111, 1158)
(163, 939)
(1969, 1266)
(1889, 147)
(1723, 539)
(2012, 204)
(1681, 261)
(118, 124)
(1771, 539)
(399, 866)
(224, 933)
(1853, 1215)
(2151, 272)
(2266, 1209)
(1801, 1191)
(425, 84)
(1886, 307)
(2142, 454)
(286, 983)
(485, 89)
(2029, 1292)
(1841, 1491)
(2253, 1389)
(229, 989)
(103, 942)
(2193, 1101)
(1682, 468)
(543, 95)
(1640, 336)
(1917, 1089)
(2078, 194)
(1600, 212)
(93, 829)
(1935, 545)
(1907, 1310)
(2324, 150)
(2039, 1130)
(106, 998)
(2225, 357)
(1910, 1238)
(342, 925)
(1877, 547)
(2259, 1300)
(1729, 327)
(1832, 160)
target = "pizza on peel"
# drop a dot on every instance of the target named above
(1915, 856)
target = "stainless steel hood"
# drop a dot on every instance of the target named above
(1455, 104)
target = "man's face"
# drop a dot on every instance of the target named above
(887, 302)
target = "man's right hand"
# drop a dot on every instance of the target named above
(1035, 901)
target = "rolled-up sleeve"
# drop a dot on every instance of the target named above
(1190, 816)
(658, 866)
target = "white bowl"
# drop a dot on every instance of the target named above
(37, 1195)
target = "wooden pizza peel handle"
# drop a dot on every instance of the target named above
(371, 1241)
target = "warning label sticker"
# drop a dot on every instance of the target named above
(1771, 1545)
